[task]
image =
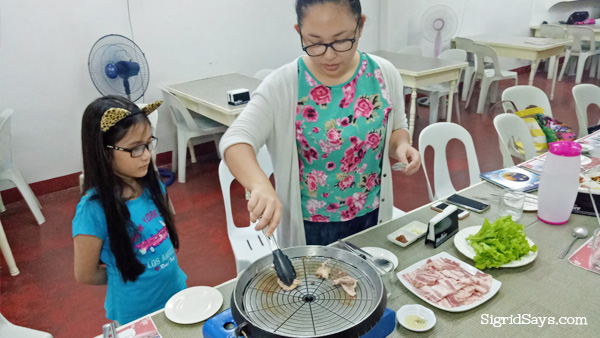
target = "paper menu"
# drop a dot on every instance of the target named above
(536, 164)
(143, 328)
(581, 257)
(591, 139)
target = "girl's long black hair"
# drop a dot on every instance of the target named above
(99, 175)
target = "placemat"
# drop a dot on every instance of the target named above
(581, 256)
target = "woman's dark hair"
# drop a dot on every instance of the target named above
(353, 5)
(99, 175)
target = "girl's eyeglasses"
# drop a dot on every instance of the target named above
(139, 150)
(319, 49)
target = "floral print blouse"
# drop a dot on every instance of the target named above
(340, 134)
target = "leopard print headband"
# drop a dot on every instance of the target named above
(113, 115)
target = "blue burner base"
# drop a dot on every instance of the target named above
(223, 326)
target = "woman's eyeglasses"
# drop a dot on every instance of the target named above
(319, 49)
(139, 150)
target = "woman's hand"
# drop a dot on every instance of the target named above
(409, 155)
(401, 150)
(264, 206)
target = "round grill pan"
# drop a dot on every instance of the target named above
(316, 308)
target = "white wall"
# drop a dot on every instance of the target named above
(503, 17)
(44, 47)
(508, 17)
(554, 10)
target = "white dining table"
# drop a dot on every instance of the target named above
(208, 96)
(420, 71)
(526, 48)
(547, 287)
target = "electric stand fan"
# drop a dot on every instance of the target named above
(438, 24)
(118, 66)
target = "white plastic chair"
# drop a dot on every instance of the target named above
(10, 330)
(552, 32)
(9, 170)
(411, 50)
(488, 76)
(585, 95)
(584, 46)
(437, 136)
(261, 74)
(189, 125)
(511, 128)
(525, 96)
(439, 91)
(7, 253)
(469, 72)
(248, 244)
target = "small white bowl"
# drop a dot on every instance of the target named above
(586, 148)
(416, 309)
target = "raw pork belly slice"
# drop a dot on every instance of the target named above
(288, 288)
(348, 284)
(323, 271)
(444, 282)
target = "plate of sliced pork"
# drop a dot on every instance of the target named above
(448, 283)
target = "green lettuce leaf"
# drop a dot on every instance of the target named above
(499, 243)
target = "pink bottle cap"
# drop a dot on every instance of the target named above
(565, 148)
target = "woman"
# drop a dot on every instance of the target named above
(330, 119)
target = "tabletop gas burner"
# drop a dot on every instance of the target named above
(223, 326)
(316, 308)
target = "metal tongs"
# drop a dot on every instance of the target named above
(109, 330)
(283, 266)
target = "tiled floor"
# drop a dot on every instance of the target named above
(45, 295)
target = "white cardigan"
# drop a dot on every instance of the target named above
(270, 119)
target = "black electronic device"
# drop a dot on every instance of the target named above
(442, 227)
(468, 203)
(440, 206)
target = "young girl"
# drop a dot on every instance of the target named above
(330, 119)
(123, 219)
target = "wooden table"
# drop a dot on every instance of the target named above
(418, 71)
(527, 48)
(548, 287)
(208, 97)
(596, 28)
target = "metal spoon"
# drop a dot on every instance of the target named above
(381, 263)
(283, 266)
(578, 233)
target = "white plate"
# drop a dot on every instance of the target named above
(493, 288)
(419, 310)
(412, 231)
(193, 305)
(460, 242)
(382, 253)
(586, 148)
(585, 160)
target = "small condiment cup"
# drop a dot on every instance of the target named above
(419, 310)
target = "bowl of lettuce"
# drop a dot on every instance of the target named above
(502, 243)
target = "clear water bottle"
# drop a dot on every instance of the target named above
(559, 182)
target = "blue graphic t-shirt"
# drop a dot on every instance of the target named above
(153, 248)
